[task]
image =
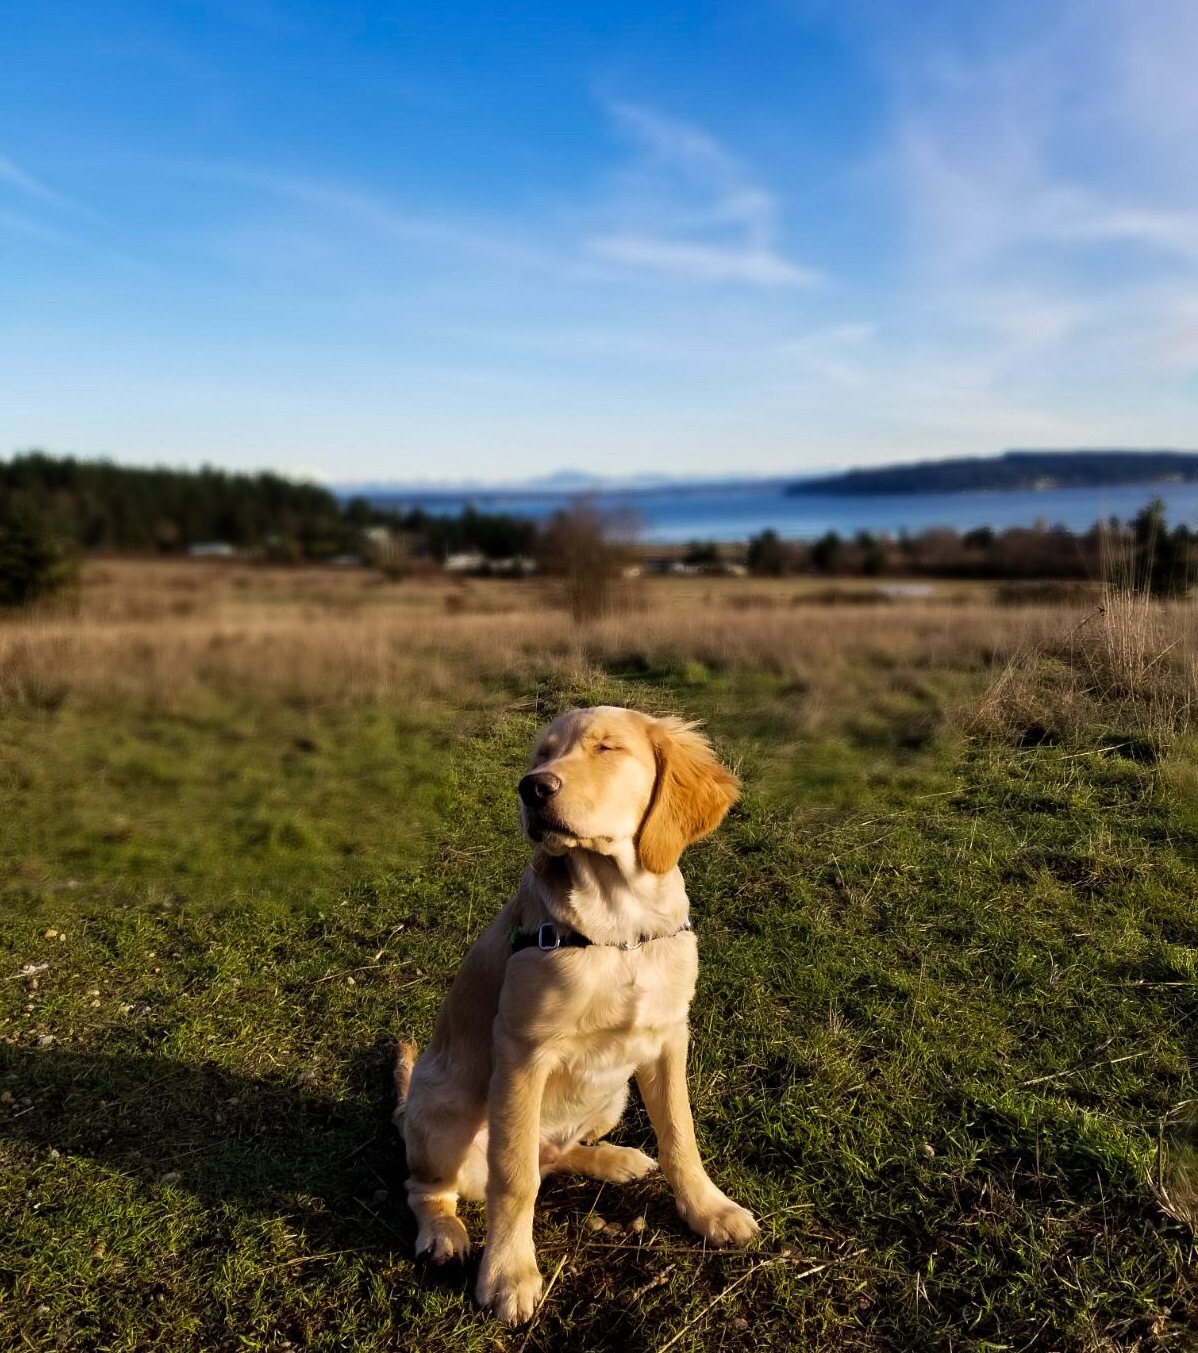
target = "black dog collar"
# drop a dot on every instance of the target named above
(548, 937)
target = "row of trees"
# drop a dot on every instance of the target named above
(51, 510)
(96, 505)
(1144, 553)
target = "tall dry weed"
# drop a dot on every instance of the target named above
(1126, 669)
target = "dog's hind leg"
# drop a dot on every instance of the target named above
(615, 1164)
(446, 1148)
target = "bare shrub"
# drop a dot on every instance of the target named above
(587, 553)
(391, 554)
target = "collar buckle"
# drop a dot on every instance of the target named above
(548, 937)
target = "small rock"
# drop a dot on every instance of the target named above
(7, 1097)
(95, 991)
(638, 1226)
(349, 982)
(45, 1040)
(50, 935)
(740, 1323)
(62, 934)
(95, 1005)
(55, 1154)
(613, 1229)
(927, 1150)
(594, 1223)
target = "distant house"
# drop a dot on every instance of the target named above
(212, 549)
(708, 569)
(468, 561)
(474, 561)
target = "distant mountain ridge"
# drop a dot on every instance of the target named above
(1013, 470)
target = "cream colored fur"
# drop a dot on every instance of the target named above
(533, 1052)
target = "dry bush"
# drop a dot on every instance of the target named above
(1127, 668)
(587, 554)
(1174, 1182)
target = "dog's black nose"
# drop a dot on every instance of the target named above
(539, 787)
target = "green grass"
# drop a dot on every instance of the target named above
(947, 1010)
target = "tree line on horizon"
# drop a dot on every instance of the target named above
(54, 509)
(98, 506)
(1144, 553)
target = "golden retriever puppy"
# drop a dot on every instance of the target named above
(582, 981)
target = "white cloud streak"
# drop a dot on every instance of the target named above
(13, 176)
(685, 207)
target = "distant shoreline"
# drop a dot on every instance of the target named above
(1013, 471)
(1010, 472)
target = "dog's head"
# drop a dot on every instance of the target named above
(600, 778)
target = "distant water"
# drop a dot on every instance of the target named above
(734, 512)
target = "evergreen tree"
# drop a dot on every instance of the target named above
(32, 564)
(1162, 560)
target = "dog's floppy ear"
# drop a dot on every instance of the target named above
(691, 795)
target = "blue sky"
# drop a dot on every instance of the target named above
(368, 241)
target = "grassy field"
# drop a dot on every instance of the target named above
(945, 1031)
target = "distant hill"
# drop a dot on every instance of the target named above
(1012, 470)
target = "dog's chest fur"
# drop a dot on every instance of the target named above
(600, 1028)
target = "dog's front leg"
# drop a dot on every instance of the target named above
(509, 1282)
(703, 1207)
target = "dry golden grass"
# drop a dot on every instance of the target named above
(1128, 665)
(167, 633)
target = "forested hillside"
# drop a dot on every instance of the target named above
(1013, 470)
(97, 505)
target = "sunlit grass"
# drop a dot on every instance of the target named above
(943, 1035)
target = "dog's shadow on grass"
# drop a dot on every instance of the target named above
(270, 1146)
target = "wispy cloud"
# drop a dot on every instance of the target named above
(338, 220)
(13, 176)
(687, 207)
(704, 262)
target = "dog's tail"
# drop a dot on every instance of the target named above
(405, 1060)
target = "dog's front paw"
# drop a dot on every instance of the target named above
(720, 1221)
(510, 1290)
